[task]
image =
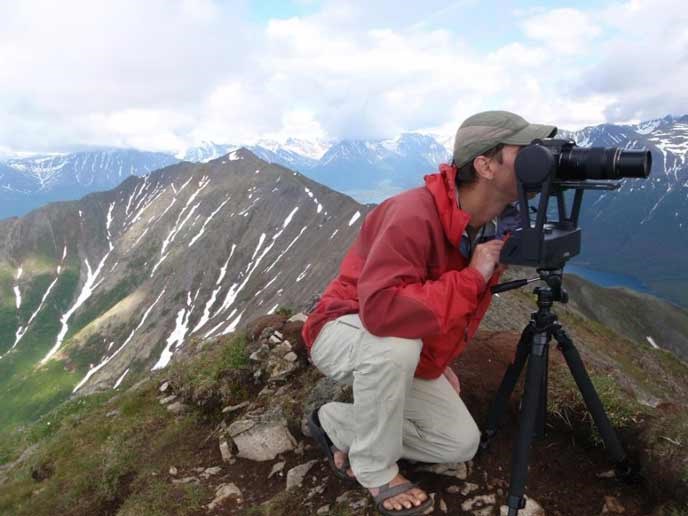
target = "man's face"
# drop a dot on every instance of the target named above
(505, 173)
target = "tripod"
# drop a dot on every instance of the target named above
(533, 348)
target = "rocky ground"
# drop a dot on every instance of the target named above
(261, 461)
(221, 431)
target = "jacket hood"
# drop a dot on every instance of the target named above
(442, 186)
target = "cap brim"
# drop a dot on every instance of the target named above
(529, 133)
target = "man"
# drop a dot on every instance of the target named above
(410, 294)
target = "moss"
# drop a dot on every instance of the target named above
(218, 376)
(153, 496)
(285, 311)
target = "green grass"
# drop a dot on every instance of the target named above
(109, 453)
(96, 463)
(26, 392)
(217, 377)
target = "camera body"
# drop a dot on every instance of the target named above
(549, 167)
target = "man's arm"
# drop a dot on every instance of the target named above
(395, 297)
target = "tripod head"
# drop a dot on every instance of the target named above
(553, 292)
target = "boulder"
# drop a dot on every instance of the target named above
(223, 492)
(261, 441)
(296, 474)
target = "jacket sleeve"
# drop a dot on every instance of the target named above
(395, 297)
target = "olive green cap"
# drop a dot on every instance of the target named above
(483, 131)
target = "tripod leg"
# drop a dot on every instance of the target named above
(507, 386)
(592, 400)
(527, 420)
(542, 405)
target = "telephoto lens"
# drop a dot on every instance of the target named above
(581, 163)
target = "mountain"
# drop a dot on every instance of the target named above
(371, 170)
(368, 170)
(27, 183)
(641, 229)
(113, 284)
(158, 311)
(643, 215)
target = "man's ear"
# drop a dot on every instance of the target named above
(483, 168)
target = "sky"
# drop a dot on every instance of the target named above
(167, 74)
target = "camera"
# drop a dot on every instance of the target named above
(549, 167)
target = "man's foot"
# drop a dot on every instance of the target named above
(340, 460)
(413, 497)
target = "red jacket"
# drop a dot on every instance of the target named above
(405, 277)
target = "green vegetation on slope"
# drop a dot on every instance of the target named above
(26, 391)
(110, 453)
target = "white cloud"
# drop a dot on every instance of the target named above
(162, 74)
(563, 30)
(644, 62)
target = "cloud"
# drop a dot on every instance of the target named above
(162, 74)
(643, 65)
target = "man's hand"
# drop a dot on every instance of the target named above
(486, 257)
(453, 379)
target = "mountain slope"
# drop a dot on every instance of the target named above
(642, 229)
(112, 284)
(27, 183)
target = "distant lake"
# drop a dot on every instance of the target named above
(608, 279)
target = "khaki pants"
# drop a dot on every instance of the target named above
(394, 415)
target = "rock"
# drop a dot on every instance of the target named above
(325, 390)
(234, 408)
(299, 449)
(316, 491)
(454, 490)
(173, 471)
(277, 468)
(443, 506)
(458, 470)
(325, 509)
(468, 488)
(278, 334)
(225, 451)
(607, 474)
(274, 340)
(266, 391)
(291, 357)
(223, 492)
(300, 317)
(186, 480)
(462, 471)
(168, 399)
(263, 441)
(260, 354)
(177, 407)
(346, 496)
(479, 502)
(359, 505)
(240, 426)
(112, 413)
(282, 349)
(164, 386)
(296, 474)
(612, 505)
(209, 472)
(532, 508)
(281, 370)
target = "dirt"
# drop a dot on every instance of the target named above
(563, 473)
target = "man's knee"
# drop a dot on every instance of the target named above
(463, 442)
(403, 352)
